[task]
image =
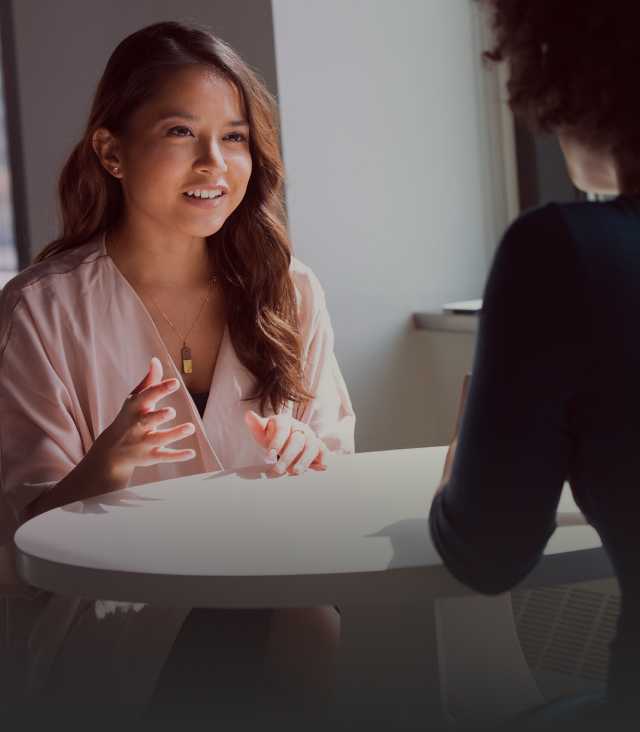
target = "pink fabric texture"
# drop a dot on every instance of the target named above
(75, 339)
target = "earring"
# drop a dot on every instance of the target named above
(116, 170)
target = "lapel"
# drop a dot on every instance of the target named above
(221, 440)
(223, 418)
(145, 342)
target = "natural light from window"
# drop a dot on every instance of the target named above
(8, 255)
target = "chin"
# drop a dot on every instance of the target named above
(204, 228)
(211, 230)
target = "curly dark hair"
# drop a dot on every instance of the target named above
(574, 65)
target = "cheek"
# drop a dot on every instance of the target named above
(242, 166)
(164, 158)
(155, 166)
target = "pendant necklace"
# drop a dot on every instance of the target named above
(185, 351)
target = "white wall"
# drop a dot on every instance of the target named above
(385, 144)
(62, 48)
(390, 180)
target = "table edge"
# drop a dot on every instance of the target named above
(403, 585)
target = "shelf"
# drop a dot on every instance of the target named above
(445, 322)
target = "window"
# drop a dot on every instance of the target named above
(8, 250)
(14, 229)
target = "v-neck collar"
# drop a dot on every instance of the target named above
(198, 420)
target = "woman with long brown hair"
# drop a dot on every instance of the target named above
(171, 294)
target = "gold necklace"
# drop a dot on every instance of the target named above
(185, 351)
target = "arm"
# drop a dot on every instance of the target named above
(495, 514)
(39, 440)
(44, 460)
(330, 414)
(92, 476)
(325, 423)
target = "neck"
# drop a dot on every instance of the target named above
(160, 259)
(591, 169)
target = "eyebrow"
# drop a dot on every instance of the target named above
(185, 115)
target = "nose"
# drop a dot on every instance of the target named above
(212, 159)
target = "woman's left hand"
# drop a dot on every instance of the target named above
(293, 444)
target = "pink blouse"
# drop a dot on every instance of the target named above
(75, 339)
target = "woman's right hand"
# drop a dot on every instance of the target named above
(132, 439)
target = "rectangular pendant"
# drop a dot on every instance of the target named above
(187, 364)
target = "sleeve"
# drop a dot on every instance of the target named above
(39, 439)
(492, 520)
(330, 413)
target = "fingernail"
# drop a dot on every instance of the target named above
(173, 384)
(272, 457)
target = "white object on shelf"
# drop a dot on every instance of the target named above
(463, 306)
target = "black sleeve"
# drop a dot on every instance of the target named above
(494, 517)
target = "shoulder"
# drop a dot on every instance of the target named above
(566, 241)
(575, 225)
(544, 224)
(58, 270)
(539, 243)
(536, 281)
(47, 285)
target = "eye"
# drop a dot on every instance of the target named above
(236, 137)
(179, 127)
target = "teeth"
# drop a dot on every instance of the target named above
(204, 194)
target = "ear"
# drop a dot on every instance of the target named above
(107, 149)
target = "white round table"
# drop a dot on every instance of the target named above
(355, 536)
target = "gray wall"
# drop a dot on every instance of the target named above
(62, 48)
(387, 168)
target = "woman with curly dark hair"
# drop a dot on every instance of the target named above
(554, 392)
(171, 294)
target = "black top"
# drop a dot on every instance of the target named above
(200, 400)
(554, 396)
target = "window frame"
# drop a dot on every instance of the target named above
(14, 136)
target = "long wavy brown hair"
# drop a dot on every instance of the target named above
(251, 252)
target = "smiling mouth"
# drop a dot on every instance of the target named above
(204, 198)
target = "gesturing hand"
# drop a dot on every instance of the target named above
(132, 439)
(292, 443)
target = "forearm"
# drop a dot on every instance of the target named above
(92, 476)
(490, 560)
